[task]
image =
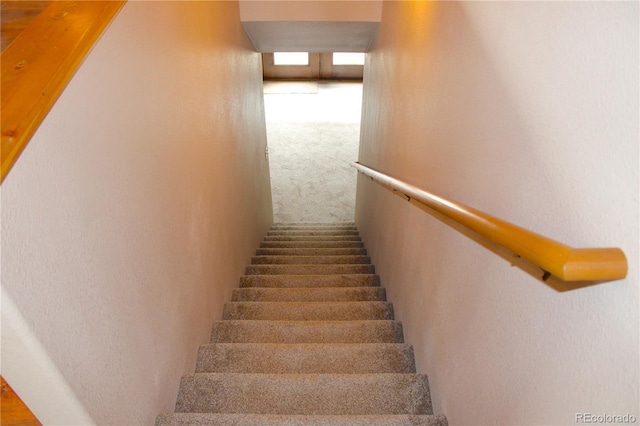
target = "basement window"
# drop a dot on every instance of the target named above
(291, 58)
(348, 58)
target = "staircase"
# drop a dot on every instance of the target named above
(308, 339)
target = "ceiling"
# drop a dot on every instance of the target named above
(311, 25)
(311, 36)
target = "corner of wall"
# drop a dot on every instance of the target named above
(26, 365)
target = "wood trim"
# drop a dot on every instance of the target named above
(14, 411)
(39, 64)
(566, 263)
(17, 15)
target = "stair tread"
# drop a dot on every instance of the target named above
(293, 237)
(312, 244)
(311, 223)
(322, 251)
(227, 419)
(314, 225)
(344, 358)
(386, 393)
(345, 228)
(308, 310)
(307, 269)
(310, 294)
(315, 231)
(310, 280)
(310, 259)
(292, 305)
(266, 331)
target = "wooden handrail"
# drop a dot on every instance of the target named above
(39, 63)
(560, 260)
(14, 410)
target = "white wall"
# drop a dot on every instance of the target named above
(134, 210)
(528, 111)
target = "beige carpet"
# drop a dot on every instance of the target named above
(290, 87)
(311, 179)
(312, 138)
(309, 338)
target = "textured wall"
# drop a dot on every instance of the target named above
(312, 140)
(133, 211)
(528, 111)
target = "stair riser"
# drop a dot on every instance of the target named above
(298, 281)
(324, 394)
(307, 332)
(312, 311)
(332, 294)
(311, 252)
(312, 244)
(310, 260)
(327, 238)
(313, 228)
(198, 419)
(316, 233)
(308, 339)
(308, 269)
(324, 224)
(305, 359)
(313, 225)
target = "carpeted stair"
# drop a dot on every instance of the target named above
(308, 339)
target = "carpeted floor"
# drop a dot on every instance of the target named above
(290, 87)
(312, 138)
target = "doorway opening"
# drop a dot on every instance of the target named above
(313, 133)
